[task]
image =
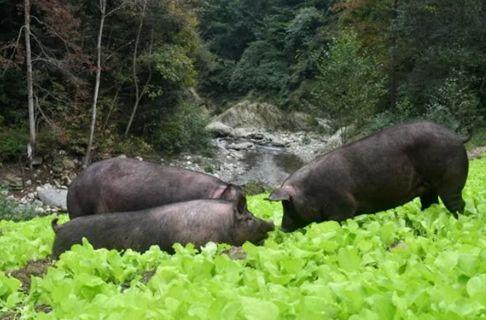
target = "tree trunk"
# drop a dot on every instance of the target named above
(138, 96)
(87, 158)
(30, 91)
(393, 59)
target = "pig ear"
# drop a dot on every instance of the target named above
(239, 211)
(280, 195)
(229, 191)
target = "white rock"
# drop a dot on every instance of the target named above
(39, 210)
(53, 197)
(241, 146)
(220, 129)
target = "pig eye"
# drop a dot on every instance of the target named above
(242, 205)
(241, 215)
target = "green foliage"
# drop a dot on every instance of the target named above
(228, 26)
(340, 91)
(216, 73)
(11, 210)
(272, 44)
(166, 55)
(301, 29)
(404, 111)
(10, 294)
(131, 146)
(454, 104)
(398, 264)
(24, 241)
(261, 68)
(173, 65)
(13, 143)
(182, 130)
(427, 55)
(478, 138)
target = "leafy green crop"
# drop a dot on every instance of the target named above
(21, 242)
(399, 264)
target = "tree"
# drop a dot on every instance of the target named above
(104, 14)
(350, 85)
(138, 94)
(30, 93)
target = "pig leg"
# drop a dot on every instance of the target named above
(450, 191)
(428, 199)
(453, 202)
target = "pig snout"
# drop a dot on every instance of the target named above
(252, 229)
(267, 226)
(262, 229)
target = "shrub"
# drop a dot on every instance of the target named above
(13, 143)
(10, 210)
(453, 104)
(350, 85)
(260, 69)
(182, 131)
(132, 146)
(403, 111)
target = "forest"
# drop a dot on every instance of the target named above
(141, 76)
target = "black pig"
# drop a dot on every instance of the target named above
(379, 172)
(196, 221)
(119, 185)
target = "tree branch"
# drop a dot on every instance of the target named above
(14, 50)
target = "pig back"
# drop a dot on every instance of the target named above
(196, 221)
(385, 169)
(118, 185)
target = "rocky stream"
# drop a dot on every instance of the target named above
(251, 147)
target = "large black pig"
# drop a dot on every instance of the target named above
(119, 184)
(196, 221)
(379, 172)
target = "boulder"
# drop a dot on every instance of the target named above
(243, 132)
(219, 129)
(335, 141)
(37, 161)
(252, 114)
(324, 125)
(302, 121)
(277, 142)
(241, 146)
(12, 182)
(68, 164)
(52, 197)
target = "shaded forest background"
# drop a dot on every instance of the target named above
(167, 65)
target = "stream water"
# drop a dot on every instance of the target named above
(265, 164)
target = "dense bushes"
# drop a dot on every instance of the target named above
(149, 54)
(348, 86)
(13, 143)
(351, 61)
(12, 210)
(182, 130)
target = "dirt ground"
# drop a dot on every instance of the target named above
(34, 268)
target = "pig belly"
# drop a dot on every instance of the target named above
(388, 194)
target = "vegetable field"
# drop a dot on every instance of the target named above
(399, 264)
